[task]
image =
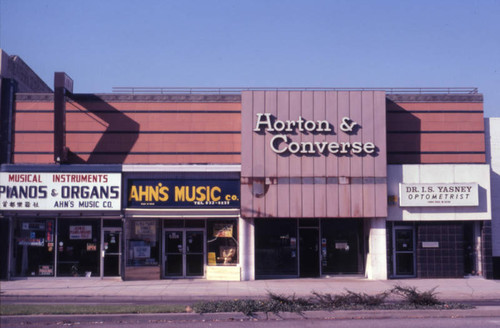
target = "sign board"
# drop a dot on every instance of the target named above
(38, 242)
(430, 244)
(142, 252)
(80, 232)
(45, 270)
(60, 191)
(282, 143)
(185, 193)
(427, 195)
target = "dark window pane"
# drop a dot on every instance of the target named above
(275, 247)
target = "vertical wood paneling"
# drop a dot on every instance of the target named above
(381, 161)
(344, 161)
(295, 161)
(247, 120)
(271, 198)
(319, 161)
(380, 133)
(368, 161)
(356, 161)
(283, 162)
(307, 161)
(246, 153)
(332, 170)
(259, 150)
(326, 185)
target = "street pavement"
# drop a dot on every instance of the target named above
(180, 291)
(484, 294)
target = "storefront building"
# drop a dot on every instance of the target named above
(64, 223)
(314, 181)
(439, 192)
(244, 184)
(182, 222)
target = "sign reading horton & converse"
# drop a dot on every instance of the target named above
(60, 191)
(313, 153)
(453, 194)
(282, 142)
(186, 193)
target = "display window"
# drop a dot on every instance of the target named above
(33, 252)
(222, 242)
(276, 248)
(78, 246)
(142, 242)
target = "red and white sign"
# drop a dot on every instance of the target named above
(60, 191)
(80, 232)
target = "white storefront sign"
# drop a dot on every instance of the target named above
(449, 194)
(60, 191)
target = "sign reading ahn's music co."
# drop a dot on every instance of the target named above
(183, 193)
(60, 191)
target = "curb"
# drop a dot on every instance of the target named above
(485, 311)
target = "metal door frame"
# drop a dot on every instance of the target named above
(184, 257)
(394, 252)
(103, 251)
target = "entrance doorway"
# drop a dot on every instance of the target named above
(404, 251)
(184, 253)
(309, 252)
(111, 252)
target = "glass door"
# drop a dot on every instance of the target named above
(184, 253)
(174, 250)
(111, 252)
(404, 251)
(194, 253)
(309, 252)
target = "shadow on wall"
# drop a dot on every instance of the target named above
(116, 142)
(403, 135)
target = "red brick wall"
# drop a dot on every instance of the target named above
(102, 132)
(419, 130)
(435, 132)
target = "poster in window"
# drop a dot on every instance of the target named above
(80, 232)
(147, 228)
(224, 230)
(142, 252)
(45, 270)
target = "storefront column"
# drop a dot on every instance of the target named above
(376, 260)
(9, 249)
(247, 247)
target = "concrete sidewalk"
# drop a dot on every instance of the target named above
(473, 290)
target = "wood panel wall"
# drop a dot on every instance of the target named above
(423, 129)
(329, 185)
(154, 131)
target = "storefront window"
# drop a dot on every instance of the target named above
(275, 248)
(222, 242)
(78, 247)
(341, 246)
(142, 242)
(34, 247)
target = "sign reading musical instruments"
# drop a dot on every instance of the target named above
(452, 194)
(60, 191)
(185, 193)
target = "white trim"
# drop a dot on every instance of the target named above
(181, 168)
(182, 213)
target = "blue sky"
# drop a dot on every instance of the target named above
(279, 43)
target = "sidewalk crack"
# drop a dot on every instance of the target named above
(471, 288)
